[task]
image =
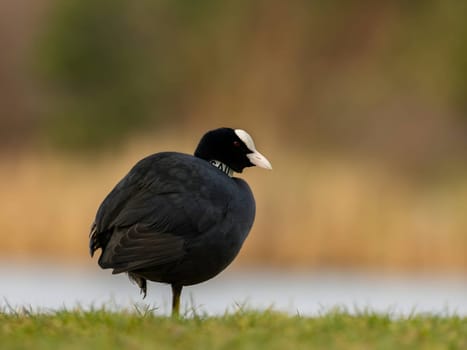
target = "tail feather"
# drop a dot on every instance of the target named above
(94, 243)
(140, 281)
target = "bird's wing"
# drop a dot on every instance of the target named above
(149, 215)
(138, 246)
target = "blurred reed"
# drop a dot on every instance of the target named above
(312, 211)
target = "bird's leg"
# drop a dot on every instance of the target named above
(176, 292)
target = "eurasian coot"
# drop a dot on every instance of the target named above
(179, 219)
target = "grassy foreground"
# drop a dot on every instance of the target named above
(103, 329)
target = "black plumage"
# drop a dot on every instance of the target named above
(176, 218)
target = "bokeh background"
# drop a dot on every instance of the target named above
(360, 106)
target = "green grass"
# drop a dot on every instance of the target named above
(102, 329)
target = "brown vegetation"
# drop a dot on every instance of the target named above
(312, 211)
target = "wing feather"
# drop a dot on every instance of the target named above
(138, 247)
(153, 211)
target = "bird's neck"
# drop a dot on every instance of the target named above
(222, 167)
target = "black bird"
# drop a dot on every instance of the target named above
(179, 219)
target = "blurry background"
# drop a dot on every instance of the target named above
(360, 106)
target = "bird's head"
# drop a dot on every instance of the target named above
(232, 147)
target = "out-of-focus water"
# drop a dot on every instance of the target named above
(51, 287)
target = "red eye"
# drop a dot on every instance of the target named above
(236, 144)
